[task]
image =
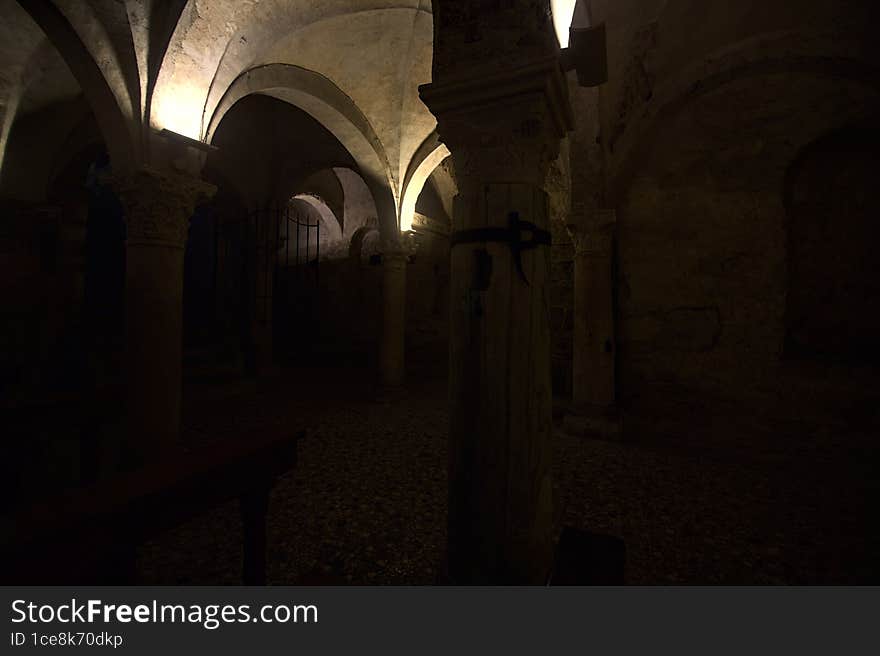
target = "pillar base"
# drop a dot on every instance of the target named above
(601, 422)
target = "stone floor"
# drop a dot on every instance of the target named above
(367, 501)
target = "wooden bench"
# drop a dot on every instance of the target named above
(90, 536)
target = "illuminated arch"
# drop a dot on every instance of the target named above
(326, 103)
(427, 158)
(328, 218)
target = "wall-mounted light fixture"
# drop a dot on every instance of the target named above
(584, 47)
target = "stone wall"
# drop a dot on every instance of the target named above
(427, 303)
(701, 288)
(561, 309)
(706, 110)
(703, 282)
(337, 319)
(833, 308)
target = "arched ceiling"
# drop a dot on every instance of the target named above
(377, 52)
(268, 147)
(169, 64)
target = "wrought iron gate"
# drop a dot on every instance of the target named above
(266, 270)
(297, 302)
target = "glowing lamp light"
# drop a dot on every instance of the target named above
(179, 110)
(563, 14)
(583, 46)
(407, 216)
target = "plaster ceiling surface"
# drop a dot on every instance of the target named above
(172, 62)
(376, 51)
(48, 81)
(106, 30)
(32, 73)
(19, 38)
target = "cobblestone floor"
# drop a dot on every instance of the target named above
(367, 501)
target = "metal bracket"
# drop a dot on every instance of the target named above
(511, 235)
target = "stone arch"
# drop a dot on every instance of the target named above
(326, 186)
(42, 65)
(833, 280)
(41, 145)
(117, 130)
(325, 102)
(84, 135)
(364, 244)
(701, 240)
(332, 240)
(765, 54)
(428, 157)
(327, 215)
(359, 208)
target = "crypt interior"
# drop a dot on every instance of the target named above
(355, 292)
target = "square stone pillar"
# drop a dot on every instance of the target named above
(503, 130)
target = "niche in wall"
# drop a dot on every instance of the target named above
(833, 216)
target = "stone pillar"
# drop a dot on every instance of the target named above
(158, 206)
(393, 318)
(503, 130)
(593, 375)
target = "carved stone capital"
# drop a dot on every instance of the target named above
(394, 260)
(158, 205)
(505, 125)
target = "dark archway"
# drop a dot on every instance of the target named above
(833, 296)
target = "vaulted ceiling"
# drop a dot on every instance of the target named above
(146, 65)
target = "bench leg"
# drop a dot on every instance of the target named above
(253, 521)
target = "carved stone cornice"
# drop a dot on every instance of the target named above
(159, 204)
(467, 91)
(504, 125)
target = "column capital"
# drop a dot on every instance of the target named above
(158, 205)
(394, 259)
(505, 123)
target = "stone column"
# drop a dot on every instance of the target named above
(158, 206)
(503, 130)
(393, 318)
(594, 345)
(593, 370)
